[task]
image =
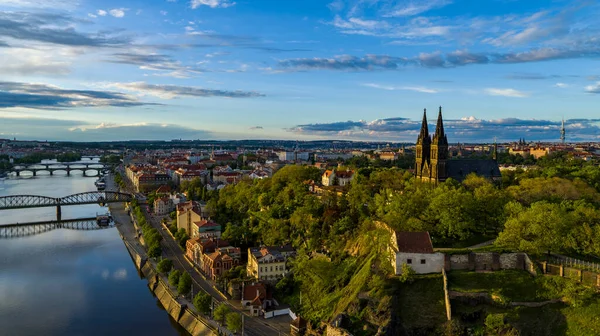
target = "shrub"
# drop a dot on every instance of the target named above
(185, 284)
(408, 274)
(202, 302)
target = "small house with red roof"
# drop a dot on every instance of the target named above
(416, 250)
(257, 298)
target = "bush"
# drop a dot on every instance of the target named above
(164, 266)
(173, 228)
(185, 284)
(202, 302)
(174, 278)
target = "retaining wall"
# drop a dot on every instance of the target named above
(447, 296)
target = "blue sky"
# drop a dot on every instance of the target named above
(344, 69)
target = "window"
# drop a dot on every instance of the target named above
(261, 268)
(422, 261)
(409, 261)
(271, 268)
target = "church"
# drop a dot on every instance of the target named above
(433, 163)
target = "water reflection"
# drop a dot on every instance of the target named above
(68, 282)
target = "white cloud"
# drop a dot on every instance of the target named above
(118, 12)
(92, 15)
(594, 88)
(506, 93)
(421, 89)
(62, 4)
(162, 12)
(211, 3)
(174, 91)
(417, 7)
(101, 12)
(561, 85)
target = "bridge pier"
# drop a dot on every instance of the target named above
(58, 213)
(68, 171)
(51, 172)
(18, 173)
(34, 172)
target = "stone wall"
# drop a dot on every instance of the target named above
(447, 296)
(490, 261)
(585, 277)
(433, 262)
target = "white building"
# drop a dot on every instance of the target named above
(415, 250)
(293, 156)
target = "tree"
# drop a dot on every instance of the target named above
(234, 322)
(202, 302)
(164, 266)
(185, 284)
(154, 251)
(221, 312)
(174, 278)
(408, 274)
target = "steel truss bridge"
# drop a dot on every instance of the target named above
(53, 167)
(9, 231)
(34, 201)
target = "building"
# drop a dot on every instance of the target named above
(293, 156)
(433, 163)
(197, 248)
(388, 156)
(257, 298)
(415, 250)
(337, 177)
(268, 263)
(206, 229)
(217, 263)
(187, 214)
(163, 205)
(145, 182)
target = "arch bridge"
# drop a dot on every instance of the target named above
(53, 167)
(36, 201)
(29, 229)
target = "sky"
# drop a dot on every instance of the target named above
(89, 70)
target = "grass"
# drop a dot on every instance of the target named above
(421, 303)
(512, 285)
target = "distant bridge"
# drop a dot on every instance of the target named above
(17, 230)
(36, 201)
(58, 166)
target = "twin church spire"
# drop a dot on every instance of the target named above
(432, 152)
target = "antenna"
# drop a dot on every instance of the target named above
(562, 131)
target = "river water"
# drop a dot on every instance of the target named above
(69, 282)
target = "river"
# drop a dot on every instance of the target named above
(68, 282)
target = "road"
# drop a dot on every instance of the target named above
(253, 326)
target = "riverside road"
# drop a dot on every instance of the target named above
(253, 326)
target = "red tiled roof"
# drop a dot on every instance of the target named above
(414, 242)
(251, 291)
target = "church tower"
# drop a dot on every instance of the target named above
(423, 148)
(439, 151)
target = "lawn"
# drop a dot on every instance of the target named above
(421, 303)
(512, 285)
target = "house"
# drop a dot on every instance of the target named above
(163, 205)
(215, 264)
(192, 250)
(187, 214)
(206, 229)
(328, 177)
(344, 177)
(268, 263)
(416, 250)
(298, 326)
(256, 298)
(388, 156)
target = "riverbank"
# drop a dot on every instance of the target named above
(179, 311)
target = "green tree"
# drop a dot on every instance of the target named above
(185, 284)
(174, 278)
(202, 302)
(407, 274)
(164, 266)
(221, 312)
(234, 322)
(154, 251)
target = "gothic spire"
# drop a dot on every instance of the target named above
(424, 134)
(439, 128)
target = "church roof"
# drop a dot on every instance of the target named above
(459, 169)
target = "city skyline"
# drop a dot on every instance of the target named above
(344, 69)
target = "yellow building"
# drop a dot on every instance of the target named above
(268, 263)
